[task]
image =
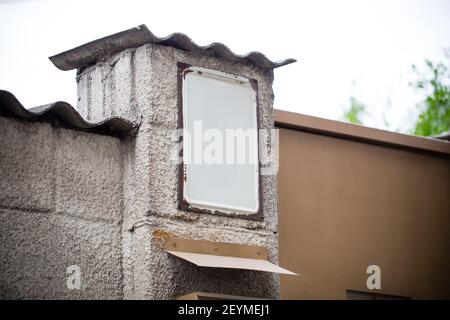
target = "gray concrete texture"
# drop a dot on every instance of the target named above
(60, 205)
(109, 195)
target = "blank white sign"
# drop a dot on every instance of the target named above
(220, 142)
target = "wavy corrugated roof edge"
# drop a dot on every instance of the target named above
(65, 112)
(89, 53)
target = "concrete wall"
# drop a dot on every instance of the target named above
(71, 197)
(151, 179)
(102, 203)
(108, 89)
(345, 205)
(60, 205)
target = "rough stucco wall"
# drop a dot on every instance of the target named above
(60, 205)
(95, 201)
(151, 179)
(169, 277)
(107, 88)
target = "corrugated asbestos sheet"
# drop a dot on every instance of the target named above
(91, 52)
(66, 113)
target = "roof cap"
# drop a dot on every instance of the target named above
(91, 52)
(11, 106)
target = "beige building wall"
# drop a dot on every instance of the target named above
(345, 205)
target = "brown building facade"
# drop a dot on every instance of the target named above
(351, 197)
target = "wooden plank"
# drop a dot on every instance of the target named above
(215, 248)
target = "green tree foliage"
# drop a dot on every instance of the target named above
(434, 82)
(354, 112)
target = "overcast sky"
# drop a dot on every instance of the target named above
(360, 48)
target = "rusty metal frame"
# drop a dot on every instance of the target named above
(182, 203)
